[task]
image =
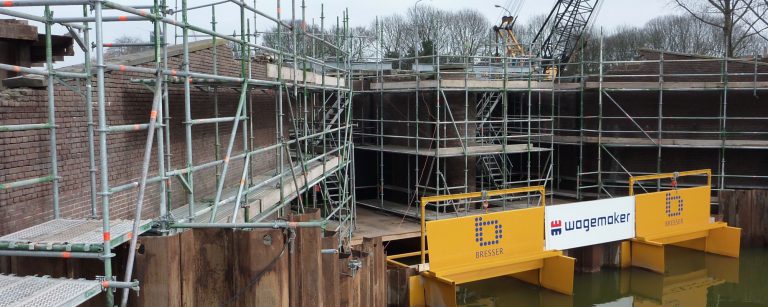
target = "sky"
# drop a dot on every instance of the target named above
(612, 13)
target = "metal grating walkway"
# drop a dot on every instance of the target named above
(70, 235)
(35, 291)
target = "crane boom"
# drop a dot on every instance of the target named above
(566, 23)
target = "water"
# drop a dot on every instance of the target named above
(693, 278)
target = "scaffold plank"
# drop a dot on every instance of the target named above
(71, 235)
(28, 291)
(454, 151)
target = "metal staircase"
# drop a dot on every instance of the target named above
(488, 133)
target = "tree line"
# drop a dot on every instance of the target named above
(733, 28)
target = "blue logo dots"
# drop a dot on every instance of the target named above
(670, 202)
(497, 232)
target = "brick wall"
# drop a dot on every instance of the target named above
(25, 154)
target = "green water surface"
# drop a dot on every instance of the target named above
(692, 278)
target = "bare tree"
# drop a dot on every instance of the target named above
(465, 30)
(395, 35)
(363, 43)
(739, 20)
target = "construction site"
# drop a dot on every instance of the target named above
(212, 168)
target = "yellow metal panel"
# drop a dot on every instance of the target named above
(416, 291)
(467, 274)
(699, 244)
(485, 238)
(438, 293)
(557, 274)
(625, 256)
(724, 241)
(649, 256)
(431, 199)
(661, 213)
(531, 276)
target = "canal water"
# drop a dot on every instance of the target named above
(692, 278)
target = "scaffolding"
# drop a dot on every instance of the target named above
(512, 124)
(607, 135)
(312, 146)
(446, 124)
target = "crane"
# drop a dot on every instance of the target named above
(558, 37)
(565, 25)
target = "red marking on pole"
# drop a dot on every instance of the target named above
(66, 255)
(16, 69)
(142, 12)
(136, 127)
(293, 224)
(279, 10)
(122, 67)
(108, 44)
(122, 18)
(153, 114)
(106, 236)
(226, 159)
(317, 188)
(190, 80)
(105, 284)
(242, 182)
(173, 72)
(7, 3)
(129, 235)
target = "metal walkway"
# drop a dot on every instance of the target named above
(45, 291)
(70, 235)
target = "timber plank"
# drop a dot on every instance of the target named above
(330, 284)
(261, 268)
(157, 267)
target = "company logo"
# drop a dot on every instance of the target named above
(480, 226)
(674, 209)
(484, 238)
(556, 226)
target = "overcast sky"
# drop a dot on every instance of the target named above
(362, 12)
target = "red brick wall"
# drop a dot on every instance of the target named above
(25, 154)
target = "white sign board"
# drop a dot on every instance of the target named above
(589, 222)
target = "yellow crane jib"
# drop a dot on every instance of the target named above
(677, 217)
(477, 247)
(505, 35)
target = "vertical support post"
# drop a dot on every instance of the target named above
(660, 119)
(89, 115)
(724, 127)
(105, 193)
(188, 112)
(380, 75)
(280, 87)
(215, 66)
(52, 111)
(166, 107)
(600, 123)
(158, 123)
(438, 120)
(582, 84)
